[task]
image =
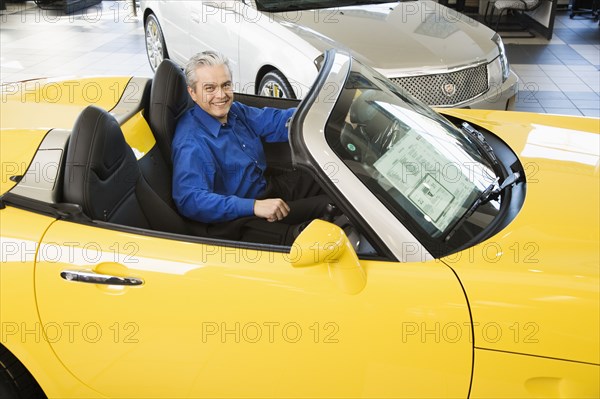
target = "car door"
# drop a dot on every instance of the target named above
(215, 320)
(273, 41)
(174, 19)
(215, 25)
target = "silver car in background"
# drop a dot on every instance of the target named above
(441, 57)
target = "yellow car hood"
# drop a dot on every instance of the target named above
(534, 288)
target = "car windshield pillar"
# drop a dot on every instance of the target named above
(365, 135)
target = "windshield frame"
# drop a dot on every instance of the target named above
(434, 139)
(389, 234)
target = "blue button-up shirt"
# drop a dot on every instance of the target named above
(218, 169)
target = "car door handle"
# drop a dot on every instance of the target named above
(95, 278)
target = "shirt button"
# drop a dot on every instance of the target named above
(243, 145)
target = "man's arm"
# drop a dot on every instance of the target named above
(268, 123)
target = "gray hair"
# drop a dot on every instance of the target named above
(206, 58)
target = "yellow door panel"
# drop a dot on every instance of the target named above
(509, 375)
(210, 321)
(21, 331)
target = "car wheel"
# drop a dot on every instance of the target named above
(155, 42)
(15, 379)
(274, 84)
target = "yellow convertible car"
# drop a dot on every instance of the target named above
(463, 260)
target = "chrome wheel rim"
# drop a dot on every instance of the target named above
(154, 46)
(272, 89)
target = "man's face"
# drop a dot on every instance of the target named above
(213, 91)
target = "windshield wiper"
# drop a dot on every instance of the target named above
(491, 192)
(481, 142)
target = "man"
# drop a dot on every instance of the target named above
(219, 163)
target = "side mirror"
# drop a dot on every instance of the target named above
(323, 243)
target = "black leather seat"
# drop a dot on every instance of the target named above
(169, 99)
(102, 175)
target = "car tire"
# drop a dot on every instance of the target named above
(156, 49)
(15, 380)
(274, 84)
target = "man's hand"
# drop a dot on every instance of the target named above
(272, 209)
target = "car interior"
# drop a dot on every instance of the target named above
(143, 196)
(102, 180)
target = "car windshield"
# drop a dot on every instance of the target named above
(424, 169)
(297, 5)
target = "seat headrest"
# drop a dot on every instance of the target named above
(169, 99)
(101, 168)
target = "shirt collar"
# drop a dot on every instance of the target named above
(210, 122)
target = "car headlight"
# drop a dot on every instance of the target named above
(501, 57)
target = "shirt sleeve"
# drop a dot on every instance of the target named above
(268, 123)
(193, 186)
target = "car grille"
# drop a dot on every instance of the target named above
(446, 89)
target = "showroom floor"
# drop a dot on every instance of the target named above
(560, 76)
